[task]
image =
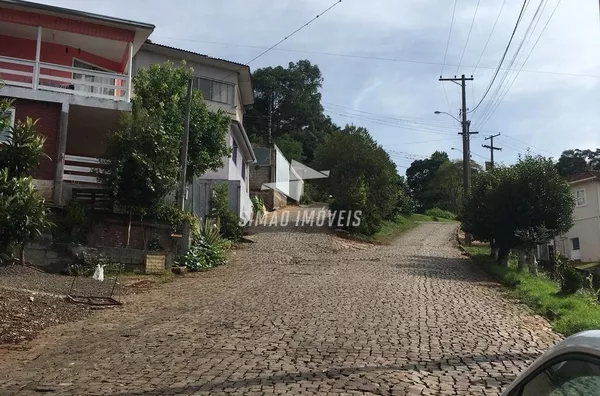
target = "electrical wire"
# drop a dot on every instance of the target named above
(493, 101)
(375, 58)
(468, 36)
(489, 37)
(449, 35)
(487, 90)
(526, 59)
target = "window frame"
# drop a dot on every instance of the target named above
(582, 356)
(214, 83)
(234, 151)
(13, 116)
(577, 204)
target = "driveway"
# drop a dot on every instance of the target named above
(298, 313)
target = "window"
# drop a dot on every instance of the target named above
(234, 152)
(573, 376)
(216, 91)
(6, 130)
(575, 243)
(580, 197)
(243, 171)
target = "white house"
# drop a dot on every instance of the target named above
(227, 86)
(582, 242)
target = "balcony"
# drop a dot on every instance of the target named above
(65, 79)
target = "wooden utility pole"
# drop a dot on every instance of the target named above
(492, 147)
(462, 81)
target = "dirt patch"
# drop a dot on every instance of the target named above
(23, 315)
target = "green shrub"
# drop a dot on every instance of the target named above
(440, 213)
(208, 249)
(229, 222)
(571, 280)
(258, 205)
(75, 224)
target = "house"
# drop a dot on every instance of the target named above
(227, 86)
(72, 70)
(582, 242)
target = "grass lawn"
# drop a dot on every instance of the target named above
(568, 314)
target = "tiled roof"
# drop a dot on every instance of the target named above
(583, 176)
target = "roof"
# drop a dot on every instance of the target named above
(241, 137)
(587, 175)
(243, 71)
(76, 13)
(196, 53)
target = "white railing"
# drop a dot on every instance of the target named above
(82, 169)
(64, 79)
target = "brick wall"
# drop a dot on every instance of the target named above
(48, 116)
(111, 231)
(259, 175)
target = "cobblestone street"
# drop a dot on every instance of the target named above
(298, 313)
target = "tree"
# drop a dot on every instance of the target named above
(572, 162)
(160, 91)
(22, 153)
(520, 206)
(420, 176)
(291, 148)
(362, 177)
(23, 213)
(142, 164)
(447, 186)
(291, 98)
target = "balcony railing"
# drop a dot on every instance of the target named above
(65, 79)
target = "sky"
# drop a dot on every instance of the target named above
(381, 61)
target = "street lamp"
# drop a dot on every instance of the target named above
(443, 112)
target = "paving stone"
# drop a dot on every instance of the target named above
(299, 312)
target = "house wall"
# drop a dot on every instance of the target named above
(145, 58)
(586, 226)
(59, 54)
(48, 116)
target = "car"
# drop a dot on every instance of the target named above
(571, 367)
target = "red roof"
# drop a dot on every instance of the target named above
(583, 176)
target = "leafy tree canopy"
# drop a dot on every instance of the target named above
(420, 176)
(575, 161)
(293, 95)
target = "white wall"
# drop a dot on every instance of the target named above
(145, 58)
(282, 173)
(586, 226)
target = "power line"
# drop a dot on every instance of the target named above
(526, 59)
(420, 142)
(468, 37)
(375, 58)
(449, 35)
(489, 37)
(525, 2)
(490, 107)
(294, 32)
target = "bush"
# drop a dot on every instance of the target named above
(440, 213)
(571, 280)
(75, 224)
(207, 250)
(229, 221)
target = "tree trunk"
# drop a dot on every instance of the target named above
(503, 255)
(129, 229)
(143, 231)
(493, 250)
(533, 264)
(521, 260)
(22, 254)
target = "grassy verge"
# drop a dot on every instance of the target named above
(392, 229)
(568, 314)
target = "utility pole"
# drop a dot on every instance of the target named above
(491, 147)
(270, 117)
(184, 146)
(462, 81)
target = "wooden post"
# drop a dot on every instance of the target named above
(36, 67)
(60, 155)
(130, 73)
